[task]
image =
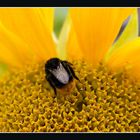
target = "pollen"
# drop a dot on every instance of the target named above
(102, 101)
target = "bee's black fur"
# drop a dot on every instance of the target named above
(52, 64)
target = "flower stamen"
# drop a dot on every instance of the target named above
(102, 101)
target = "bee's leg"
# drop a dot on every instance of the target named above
(73, 73)
(66, 62)
(60, 98)
(51, 83)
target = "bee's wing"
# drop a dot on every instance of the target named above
(66, 64)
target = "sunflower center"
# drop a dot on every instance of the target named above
(102, 101)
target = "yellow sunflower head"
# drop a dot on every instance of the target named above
(106, 96)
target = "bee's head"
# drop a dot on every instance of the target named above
(52, 63)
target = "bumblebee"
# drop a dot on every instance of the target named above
(60, 75)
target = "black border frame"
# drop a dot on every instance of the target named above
(72, 136)
(70, 3)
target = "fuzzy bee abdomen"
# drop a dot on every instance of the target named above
(67, 89)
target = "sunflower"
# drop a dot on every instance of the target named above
(106, 99)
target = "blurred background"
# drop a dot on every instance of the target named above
(60, 15)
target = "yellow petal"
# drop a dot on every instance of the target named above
(127, 56)
(130, 32)
(29, 27)
(72, 47)
(96, 29)
(47, 14)
(68, 47)
(13, 50)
